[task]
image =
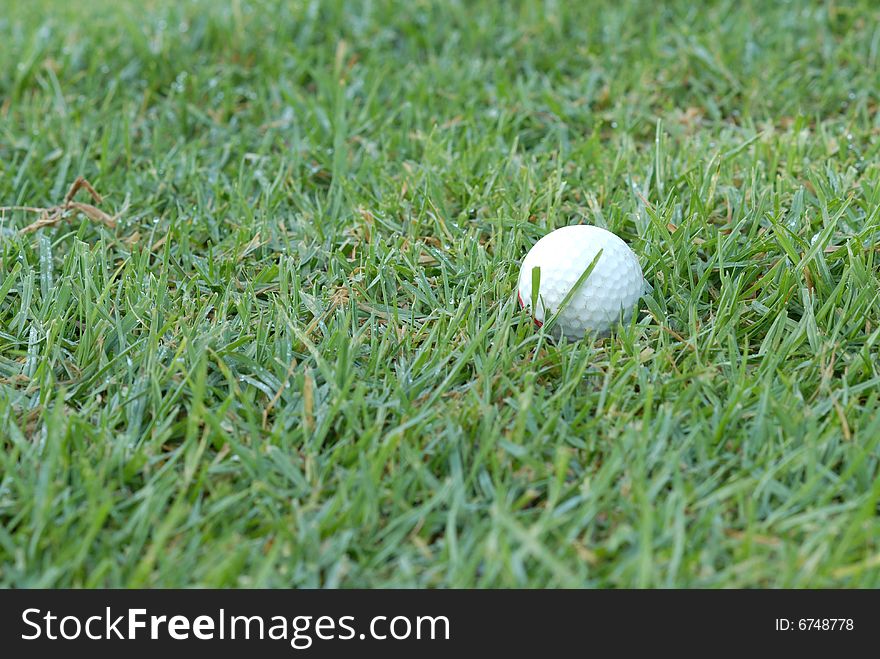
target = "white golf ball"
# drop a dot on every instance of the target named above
(609, 293)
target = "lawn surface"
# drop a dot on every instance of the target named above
(297, 358)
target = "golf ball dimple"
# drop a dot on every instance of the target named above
(609, 293)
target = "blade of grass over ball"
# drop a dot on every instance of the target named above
(580, 282)
(536, 285)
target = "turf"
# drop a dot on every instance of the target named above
(297, 358)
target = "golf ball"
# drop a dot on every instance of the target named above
(609, 293)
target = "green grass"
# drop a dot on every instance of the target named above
(298, 359)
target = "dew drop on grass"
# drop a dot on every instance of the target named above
(180, 82)
(46, 272)
(31, 362)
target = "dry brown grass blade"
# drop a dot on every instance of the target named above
(28, 209)
(79, 184)
(159, 243)
(55, 214)
(93, 213)
(278, 393)
(47, 219)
